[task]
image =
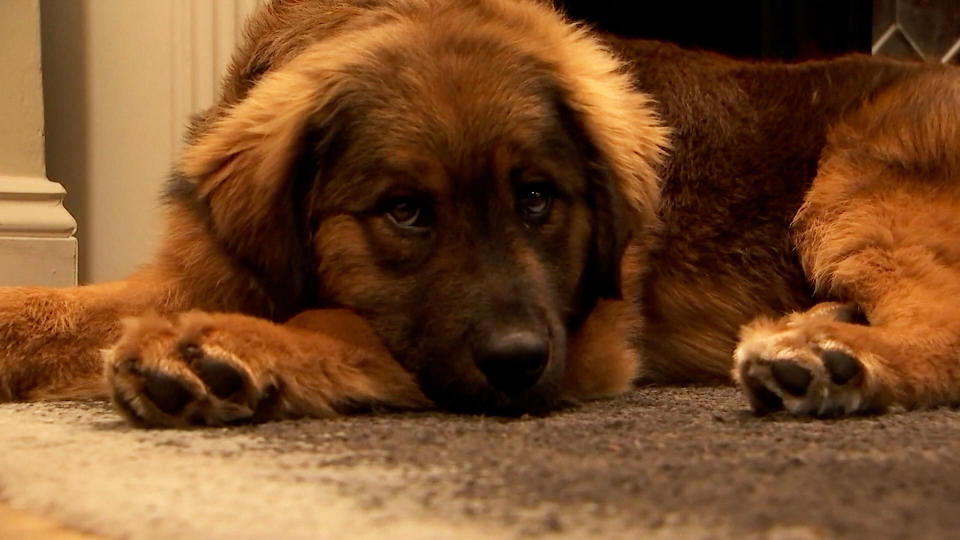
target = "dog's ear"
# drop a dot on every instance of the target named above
(610, 223)
(626, 138)
(250, 170)
(611, 233)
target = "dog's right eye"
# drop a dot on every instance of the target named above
(406, 212)
(534, 201)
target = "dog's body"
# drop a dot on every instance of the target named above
(512, 223)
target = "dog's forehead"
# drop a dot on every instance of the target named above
(453, 112)
(455, 88)
(444, 176)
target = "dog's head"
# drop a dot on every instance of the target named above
(464, 175)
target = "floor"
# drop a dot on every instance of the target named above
(658, 462)
(18, 525)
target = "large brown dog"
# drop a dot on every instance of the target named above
(479, 205)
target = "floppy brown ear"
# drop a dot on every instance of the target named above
(250, 170)
(610, 237)
(623, 129)
(609, 222)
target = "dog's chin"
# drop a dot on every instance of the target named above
(472, 394)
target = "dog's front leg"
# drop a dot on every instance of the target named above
(50, 340)
(879, 232)
(215, 369)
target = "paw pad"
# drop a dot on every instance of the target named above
(167, 393)
(808, 380)
(188, 384)
(223, 379)
(762, 399)
(792, 377)
(841, 366)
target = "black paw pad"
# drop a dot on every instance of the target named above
(841, 366)
(190, 351)
(127, 366)
(167, 393)
(792, 377)
(852, 313)
(124, 405)
(268, 405)
(220, 377)
(762, 399)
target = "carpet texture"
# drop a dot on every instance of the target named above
(659, 462)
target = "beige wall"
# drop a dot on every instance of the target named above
(120, 80)
(21, 109)
(107, 95)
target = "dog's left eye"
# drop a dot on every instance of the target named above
(534, 201)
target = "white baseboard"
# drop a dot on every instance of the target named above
(37, 246)
(50, 262)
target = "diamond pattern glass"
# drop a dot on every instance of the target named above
(921, 29)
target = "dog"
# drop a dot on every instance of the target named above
(480, 206)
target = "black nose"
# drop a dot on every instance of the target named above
(513, 361)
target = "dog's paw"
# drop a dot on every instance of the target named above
(802, 364)
(165, 373)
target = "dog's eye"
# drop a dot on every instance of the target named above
(406, 212)
(534, 201)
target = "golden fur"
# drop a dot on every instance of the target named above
(481, 206)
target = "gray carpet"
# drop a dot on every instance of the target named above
(659, 462)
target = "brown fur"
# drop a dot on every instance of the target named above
(880, 228)
(687, 195)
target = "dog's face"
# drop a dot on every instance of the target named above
(460, 209)
(441, 184)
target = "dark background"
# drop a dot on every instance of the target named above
(758, 29)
